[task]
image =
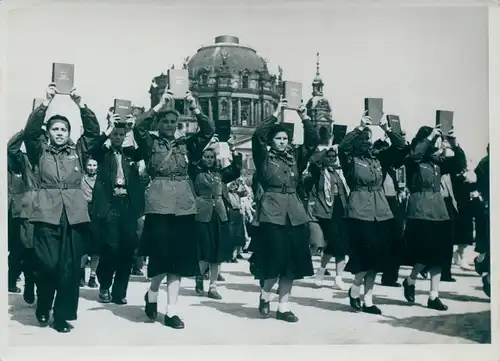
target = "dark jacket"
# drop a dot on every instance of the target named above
(364, 176)
(171, 189)
(59, 170)
(210, 190)
(483, 178)
(319, 207)
(279, 175)
(102, 195)
(21, 180)
(424, 173)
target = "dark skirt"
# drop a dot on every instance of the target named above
(428, 242)
(236, 228)
(171, 243)
(215, 244)
(464, 225)
(283, 251)
(335, 231)
(370, 245)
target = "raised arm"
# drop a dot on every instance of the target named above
(393, 157)
(206, 130)
(259, 140)
(232, 171)
(141, 130)
(14, 155)
(34, 134)
(311, 140)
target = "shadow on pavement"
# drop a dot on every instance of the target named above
(474, 327)
(21, 312)
(243, 287)
(233, 309)
(324, 305)
(130, 313)
(454, 296)
(237, 273)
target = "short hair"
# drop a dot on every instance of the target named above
(57, 118)
(163, 113)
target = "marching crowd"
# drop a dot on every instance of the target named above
(116, 197)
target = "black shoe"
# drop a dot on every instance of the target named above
(436, 304)
(104, 296)
(42, 318)
(264, 308)
(61, 326)
(391, 284)
(374, 310)
(212, 293)
(234, 260)
(173, 322)
(92, 282)
(137, 272)
(486, 286)
(29, 293)
(354, 302)
(424, 274)
(119, 301)
(286, 316)
(220, 278)
(14, 289)
(199, 286)
(409, 291)
(239, 256)
(327, 273)
(448, 279)
(151, 308)
(480, 267)
(245, 250)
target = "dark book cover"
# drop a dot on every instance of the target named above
(394, 123)
(178, 82)
(37, 102)
(375, 109)
(292, 92)
(444, 118)
(339, 132)
(223, 129)
(63, 75)
(123, 108)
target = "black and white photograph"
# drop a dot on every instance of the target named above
(229, 173)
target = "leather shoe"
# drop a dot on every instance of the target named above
(212, 293)
(151, 308)
(436, 304)
(264, 308)
(286, 316)
(104, 296)
(199, 286)
(174, 322)
(14, 289)
(29, 293)
(61, 326)
(42, 318)
(354, 302)
(374, 310)
(409, 291)
(119, 301)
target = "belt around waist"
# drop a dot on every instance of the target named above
(211, 197)
(368, 188)
(59, 186)
(282, 190)
(172, 177)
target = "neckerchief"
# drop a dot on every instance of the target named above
(286, 157)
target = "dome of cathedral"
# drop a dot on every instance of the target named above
(237, 57)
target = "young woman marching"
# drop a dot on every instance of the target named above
(60, 213)
(429, 230)
(370, 217)
(88, 184)
(170, 229)
(215, 244)
(22, 189)
(283, 246)
(328, 206)
(236, 213)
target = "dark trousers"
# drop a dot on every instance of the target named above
(119, 234)
(21, 253)
(391, 272)
(58, 251)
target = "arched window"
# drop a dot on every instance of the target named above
(244, 81)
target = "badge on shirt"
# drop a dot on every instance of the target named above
(77, 169)
(120, 182)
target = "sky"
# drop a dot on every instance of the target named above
(418, 60)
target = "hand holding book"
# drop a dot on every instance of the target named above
(50, 93)
(76, 97)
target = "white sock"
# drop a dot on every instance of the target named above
(283, 307)
(266, 296)
(410, 281)
(171, 311)
(152, 296)
(355, 291)
(321, 272)
(368, 300)
(433, 295)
